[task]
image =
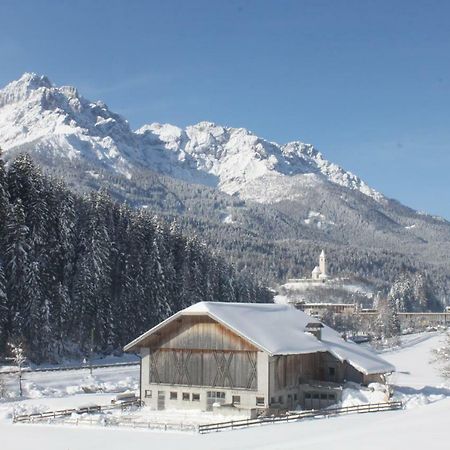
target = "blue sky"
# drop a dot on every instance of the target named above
(367, 82)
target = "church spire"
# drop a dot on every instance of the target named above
(323, 265)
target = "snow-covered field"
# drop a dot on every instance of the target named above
(417, 382)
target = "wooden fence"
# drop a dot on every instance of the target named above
(236, 424)
(68, 412)
(29, 370)
(207, 428)
(130, 422)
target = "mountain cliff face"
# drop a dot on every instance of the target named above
(64, 124)
(269, 207)
(238, 162)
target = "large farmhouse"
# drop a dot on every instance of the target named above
(248, 357)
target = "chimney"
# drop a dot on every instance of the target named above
(315, 328)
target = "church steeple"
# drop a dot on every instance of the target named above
(320, 271)
(323, 264)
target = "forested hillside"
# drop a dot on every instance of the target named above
(267, 207)
(79, 271)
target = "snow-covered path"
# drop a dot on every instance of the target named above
(422, 425)
(413, 361)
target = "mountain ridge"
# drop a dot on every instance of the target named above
(204, 153)
(268, 207)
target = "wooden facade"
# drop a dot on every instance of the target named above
(195, 362)
(197, 351)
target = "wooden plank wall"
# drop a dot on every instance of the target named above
(293, 370)
(198, 332)
(197, 351)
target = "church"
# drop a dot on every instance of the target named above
(320, 272)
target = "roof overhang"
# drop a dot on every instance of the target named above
(133, 345)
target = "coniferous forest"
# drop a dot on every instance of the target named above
(83, 271)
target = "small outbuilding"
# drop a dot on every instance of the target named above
(245, 356)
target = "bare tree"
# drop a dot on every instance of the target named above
(19, 359)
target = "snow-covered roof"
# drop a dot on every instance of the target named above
(279, 330)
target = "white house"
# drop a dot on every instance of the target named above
(249, 357)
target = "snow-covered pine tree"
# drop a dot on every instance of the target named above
(78, 269)
(60, 248)
(17, 270)
(158, 272)
(387, 324)
(93, 280)
(4, 204)
(4, 214)
(4, 309)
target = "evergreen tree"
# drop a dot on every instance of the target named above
(4, 309)
(84, 272)
(17, 270)
(387, 322)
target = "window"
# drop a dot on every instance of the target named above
(307, 395)
(186, 396)
(260, 401)
(323, 396)
(236, 399)
(331, 396)
(148, 393)
(315, 396)
(331, 371)
(295, 397)
(216, 395)
(272, 400)
(173, 395)
(195, 397)
(280, 399)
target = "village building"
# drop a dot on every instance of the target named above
(248, 357)
(318, 310)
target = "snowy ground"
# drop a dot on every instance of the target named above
(417, 383)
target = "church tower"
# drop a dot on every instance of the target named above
(323, 265)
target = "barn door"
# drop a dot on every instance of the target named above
(161, 400)
(214, 397)
(307, 401)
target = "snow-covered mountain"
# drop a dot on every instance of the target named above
(240, 162)
(269, 206)
(36, 115)
(41, 118)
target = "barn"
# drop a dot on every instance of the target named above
(248, 357)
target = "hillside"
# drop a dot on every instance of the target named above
(269, 208)
(82, 274)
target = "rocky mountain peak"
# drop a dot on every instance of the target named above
(234, 160)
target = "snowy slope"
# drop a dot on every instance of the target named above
(409, 429)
